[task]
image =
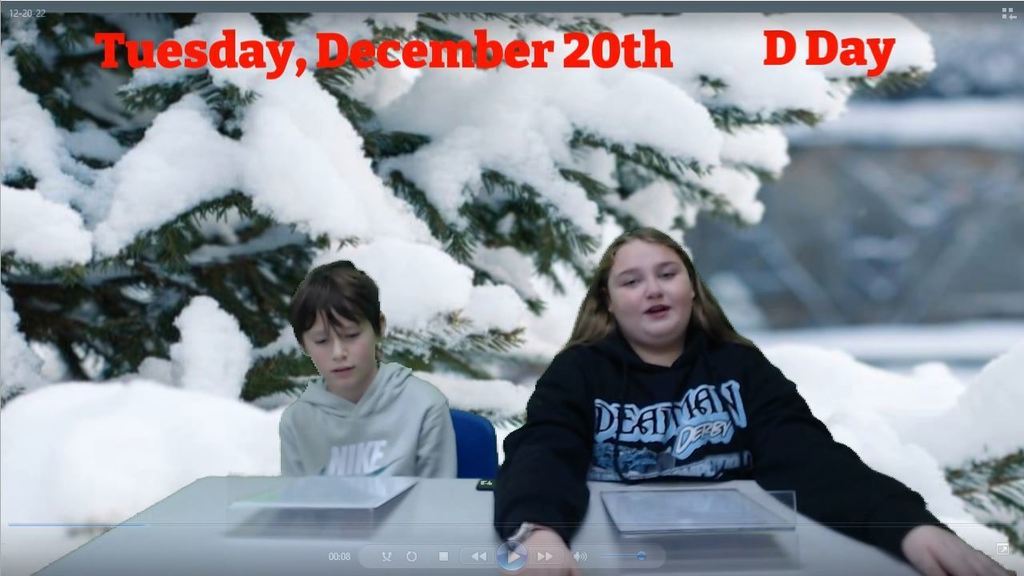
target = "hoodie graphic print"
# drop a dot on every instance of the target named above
(668, 434)
(720, 412)
(400, 427)
(668, 421)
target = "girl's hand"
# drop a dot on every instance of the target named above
(547, 540)
(937, 552)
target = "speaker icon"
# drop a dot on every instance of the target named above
(579, 556)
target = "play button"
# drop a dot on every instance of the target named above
(512, 556)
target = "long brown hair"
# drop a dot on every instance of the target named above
(595, 321)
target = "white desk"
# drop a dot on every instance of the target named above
(194, 532)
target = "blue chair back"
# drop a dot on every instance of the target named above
(476, 445)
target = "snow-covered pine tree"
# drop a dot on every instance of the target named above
(127, 194)
(994, 492)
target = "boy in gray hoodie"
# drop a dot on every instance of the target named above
(361, 417)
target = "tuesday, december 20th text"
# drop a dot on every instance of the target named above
(602, 50)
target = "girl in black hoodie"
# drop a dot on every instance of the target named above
(656, 384)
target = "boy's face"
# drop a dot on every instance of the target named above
(344, 354)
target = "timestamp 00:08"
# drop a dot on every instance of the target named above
(339, 556)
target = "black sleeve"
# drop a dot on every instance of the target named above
(544, 476)
(793, 450)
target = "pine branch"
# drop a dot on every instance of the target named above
(518, 216)
(21, 179)
(16, 269)
(10, 394)
(338, 79)
(447, 338)
(598, 193)
(534, 226)
(171, 243)
(275, 374)
(66, 316)
(525, 196)
(121, 309)
(671, 168)
(729, 118)
(230, 102)
(386, 32)
(337, 82)
(359, 114)
(446, 360)
(708, 201)
(69, 31)
(589, 26)
(181, 19)
(889, 84)
(994, 492)
(98, 314)
(381, 145)
(429, 31)
(482, 277)
(227, 100)
(457, 243)
(258, 302)
(159, 97)
(762, 174)
(67, 39)
(48, 85)
(513, 20)
(715, 85)
(276, 25)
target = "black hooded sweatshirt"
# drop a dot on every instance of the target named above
(722, 411)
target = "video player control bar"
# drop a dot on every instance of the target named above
(438, 556)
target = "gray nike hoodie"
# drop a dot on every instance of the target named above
(400, 427)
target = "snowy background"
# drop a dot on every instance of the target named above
(89, 448)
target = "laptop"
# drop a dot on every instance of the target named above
(691, 511)
(330, 493)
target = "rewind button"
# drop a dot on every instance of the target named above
(475, 555)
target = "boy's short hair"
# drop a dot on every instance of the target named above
(339, 287)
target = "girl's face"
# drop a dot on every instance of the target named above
(650, 296)
(345, 355)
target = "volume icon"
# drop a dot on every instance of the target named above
(579, 556)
